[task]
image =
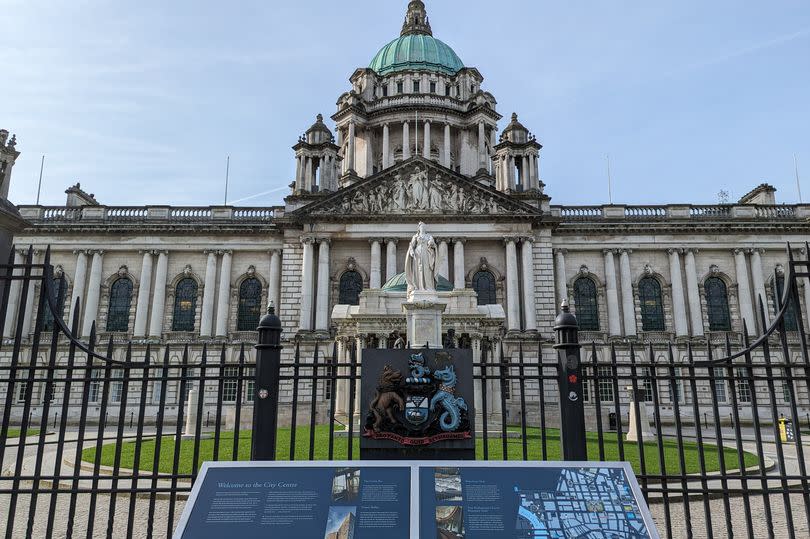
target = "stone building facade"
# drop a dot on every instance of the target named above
(415, 139)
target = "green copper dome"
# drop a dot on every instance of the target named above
(420, 52)
(397, 283)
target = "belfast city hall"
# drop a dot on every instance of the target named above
(416, 137)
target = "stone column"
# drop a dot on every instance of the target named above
(350, 148)
(693, 294)
(744, 291)
(274, 292)
(512, 286)
(758, 280)
(308, 180)
(446, 156)
(529, 314)
(79, 280)
(443, 256)
(482, 146)
(628, 304)
(386, 143)
(426, 152)
(159, 295)
(93, 293)
(477, 393)
(305, 320)
(341, 386)
(525, 177)
(510, 172)
(28, 316)
(360, 343)
(678, 303)
(459, 267)
(614, 323)
(390, 258)
(560, 280)
(224, 296)
(406, 141)
(299, 172)
(209, 295)
(15, 289)
(375, 279)
(144, 293)
(322, 312)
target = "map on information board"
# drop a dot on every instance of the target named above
(532, 500)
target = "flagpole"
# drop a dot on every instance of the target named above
(227, 177)
(39, 187)
(798, 184)
(610, 181)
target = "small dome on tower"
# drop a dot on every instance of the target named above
(318, 133)
(515, 131)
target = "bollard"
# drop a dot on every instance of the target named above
(569, 368)
(268, 371)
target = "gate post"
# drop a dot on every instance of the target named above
(265, 400)
(569, 367)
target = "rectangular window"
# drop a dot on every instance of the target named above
(23, 393)
(720, 384)
(230, 385)
(605, 384)
(446, 91)
(95, 385)
(648, 385)
(327, 386)
(400, 87)
(506, 385)
(433, 87)
(743, 385)
(785, 386)
(586, 385)
(416, 86)
(116, 385)
(678, 383)
(157, 385)
(385, 91)
(250, 384)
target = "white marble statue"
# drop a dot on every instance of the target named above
(420, 262)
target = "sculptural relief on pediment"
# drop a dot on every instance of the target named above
(419, 190)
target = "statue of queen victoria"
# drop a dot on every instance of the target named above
(420, 263)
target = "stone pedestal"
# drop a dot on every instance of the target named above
(633, 435)
(423, 314)
(191, 415)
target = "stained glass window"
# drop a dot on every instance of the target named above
(185, 305)
(717, 304)
(483, 283)
(351, 284)
(250, 305)
(120, 302)
(652, 306)
(59, 290)
(585, 302)
(790, 313)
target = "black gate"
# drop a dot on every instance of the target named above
(106, 438)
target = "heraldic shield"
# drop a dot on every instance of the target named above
(416, 399)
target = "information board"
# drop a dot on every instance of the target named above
(440, 499)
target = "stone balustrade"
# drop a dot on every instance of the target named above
(146, 214)
(682, 211)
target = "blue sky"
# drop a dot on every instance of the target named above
(142, 101)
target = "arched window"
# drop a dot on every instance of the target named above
(587, 310)
(652, 306)
(351, 284)
(120, 302)
(717, 304)
(185, 305)
(59, 291)
(790, 313)
(483, 282)
(250, 305)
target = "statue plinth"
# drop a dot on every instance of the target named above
(423, 314)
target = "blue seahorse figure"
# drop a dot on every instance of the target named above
(445, 397)
(420, 372)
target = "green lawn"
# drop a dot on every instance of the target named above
(15, 433)
(514, 451)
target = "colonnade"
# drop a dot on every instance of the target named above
(687, 312)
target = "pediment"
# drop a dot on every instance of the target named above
(417, 188)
